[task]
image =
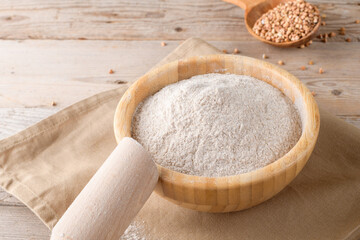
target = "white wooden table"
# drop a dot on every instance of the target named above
(62, 51)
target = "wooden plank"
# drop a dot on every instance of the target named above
(17, 119)
(353, 119)
(7, 199)
(21, 224)
(68, 71)
(142, 19)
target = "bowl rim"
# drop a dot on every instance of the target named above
(304, 146)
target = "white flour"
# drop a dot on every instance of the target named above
(217, 125)
(135, 231)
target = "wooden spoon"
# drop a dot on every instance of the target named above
(254, 9)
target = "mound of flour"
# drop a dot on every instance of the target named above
(217, 125)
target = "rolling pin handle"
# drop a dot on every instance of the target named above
(113, 196)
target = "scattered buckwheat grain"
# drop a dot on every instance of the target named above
(313, 93)
(281, 62)
(303, 68)
(332, 34)
(323, 23)
(287, 22)
(302, 46)
(342, 31)
(348, 39)
(311, 62)
(236, 51)
(264, 56)
(53, 104)
(321, 71)
(163, 44)
(357, 21)
(336, 92)
(111, 71)
(224, 51)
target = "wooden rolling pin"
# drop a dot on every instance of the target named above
(112, 198)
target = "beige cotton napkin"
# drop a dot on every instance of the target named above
(48, 164)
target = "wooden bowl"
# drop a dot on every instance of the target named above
(231, 193)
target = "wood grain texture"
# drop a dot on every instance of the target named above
(151, 20)
(8, 200)
(82, 69)
(16, 119)
(19, 223)
(208, 194)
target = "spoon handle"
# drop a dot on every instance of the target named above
(244, 4)
(114, 195)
